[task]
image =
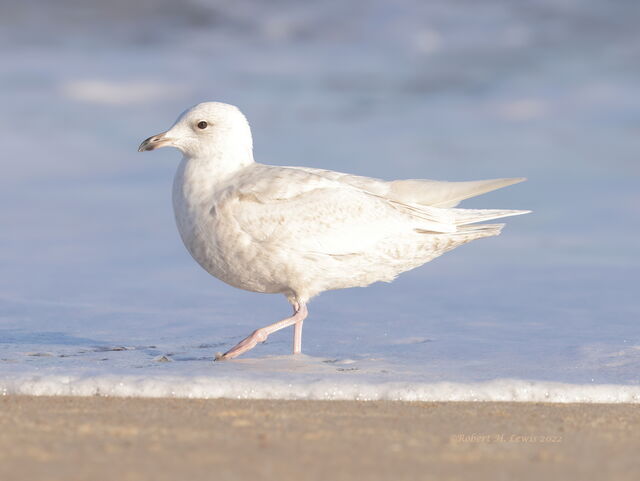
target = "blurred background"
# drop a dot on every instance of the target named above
(450, 90)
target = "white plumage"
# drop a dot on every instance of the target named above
(301, 231)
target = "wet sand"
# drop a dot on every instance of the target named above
(61, 438)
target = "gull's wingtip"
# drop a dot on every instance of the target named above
(514, 180)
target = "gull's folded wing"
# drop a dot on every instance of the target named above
(433, 193)
(300, 210)
(304, 209)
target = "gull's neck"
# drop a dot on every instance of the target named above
(199, 176)
(217, 166)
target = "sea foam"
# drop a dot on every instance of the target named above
(201, 387)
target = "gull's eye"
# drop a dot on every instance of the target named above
(202, 125)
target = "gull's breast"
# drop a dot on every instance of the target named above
(216, 242)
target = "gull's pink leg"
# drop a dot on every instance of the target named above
(260, 335)
(297, 332)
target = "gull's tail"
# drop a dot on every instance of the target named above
(467, 230)
(463, 217)
(478, 231)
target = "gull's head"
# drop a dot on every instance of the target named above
(208, 129)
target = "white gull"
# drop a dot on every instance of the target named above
(300, 231)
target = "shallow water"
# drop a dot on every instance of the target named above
(98, 295)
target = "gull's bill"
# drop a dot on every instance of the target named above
(155, 142)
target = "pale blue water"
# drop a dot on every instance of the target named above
(90, 260)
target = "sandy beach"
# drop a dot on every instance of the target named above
(97, 438)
